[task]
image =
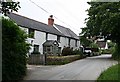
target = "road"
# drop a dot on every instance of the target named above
(84, 69)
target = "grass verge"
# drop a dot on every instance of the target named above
(112, 74)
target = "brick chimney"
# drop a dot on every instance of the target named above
(50, 20)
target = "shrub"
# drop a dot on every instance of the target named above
(78, 52)
(14, 50)
(67, 51)
(94, 45)
(116, 53)
(61, 60)
(106, 51)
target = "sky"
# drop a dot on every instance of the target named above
(67, 13)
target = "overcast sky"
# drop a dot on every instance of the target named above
(68, 13)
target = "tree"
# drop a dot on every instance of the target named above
(85, 41)
(14, 50)
(104, 20)
(8, 7)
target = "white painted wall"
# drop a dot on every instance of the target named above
(72, 43)
(78, 44)
(52, 37)
(40, 38)
(63, 42)
(29, 40)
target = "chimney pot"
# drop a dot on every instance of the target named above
(50, 20)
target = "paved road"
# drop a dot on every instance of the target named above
(84, 69)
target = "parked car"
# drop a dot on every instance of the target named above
(88, 51)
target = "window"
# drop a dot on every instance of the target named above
(36, 48)
(58, 38)
(69, 42)
(75, 43)
(31, 33)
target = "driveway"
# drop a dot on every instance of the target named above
(84, 69)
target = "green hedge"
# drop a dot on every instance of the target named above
(69, 51)
(14, 50)
(61, 60)
(116, 52)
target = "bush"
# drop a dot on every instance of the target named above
(76, 52)
(61, 60)
(67, 51)
(116, 53)
(106, 51)
(14, 50)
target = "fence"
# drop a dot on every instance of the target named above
(36, 59)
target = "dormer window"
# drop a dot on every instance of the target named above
(31, 33)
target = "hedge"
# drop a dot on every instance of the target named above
(61, 60)
(14, 50)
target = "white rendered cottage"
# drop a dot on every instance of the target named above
(42, 32)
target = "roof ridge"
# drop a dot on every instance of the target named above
(30, 22)
(29, 18)
(61, 26)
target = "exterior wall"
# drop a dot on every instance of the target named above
(78, 43)
(39, 39)
(29, 40)
(63, 42)
(72, 43)
(106, 46)
(52, 37)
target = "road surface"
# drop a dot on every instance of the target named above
(84, 69)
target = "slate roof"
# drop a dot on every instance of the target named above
(67, 32)
(30, 23)
(50, 43)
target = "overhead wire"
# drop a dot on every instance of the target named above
(51, 14)
(69, 13)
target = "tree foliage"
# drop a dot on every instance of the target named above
(104, 20)
(94, 45)
(85, 41)
(14, 50)
(8, 7)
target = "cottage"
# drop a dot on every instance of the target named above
(41, 33)
(102, 44)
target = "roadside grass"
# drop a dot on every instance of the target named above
(111, 74)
